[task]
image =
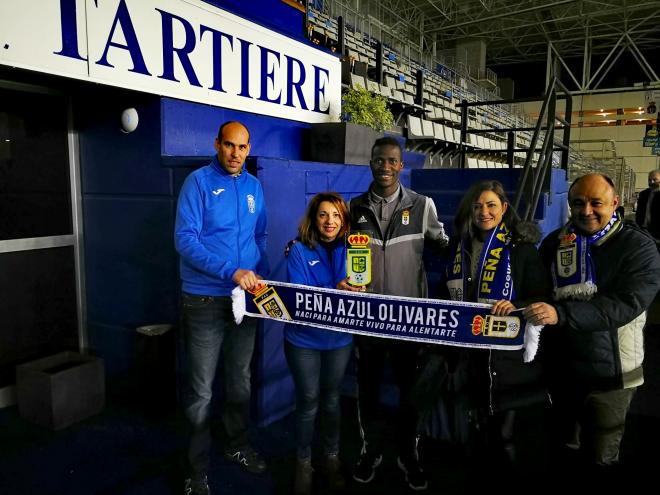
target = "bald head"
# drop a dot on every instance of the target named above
(592, 200)
(232, 146)
(654, 179)
(591, 178)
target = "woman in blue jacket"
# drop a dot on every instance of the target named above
(317, 358)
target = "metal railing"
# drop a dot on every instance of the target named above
(533, 179)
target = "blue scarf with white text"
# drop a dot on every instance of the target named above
(493, 275)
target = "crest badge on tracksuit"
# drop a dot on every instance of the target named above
(405, 217)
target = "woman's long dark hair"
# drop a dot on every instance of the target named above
(463, 220)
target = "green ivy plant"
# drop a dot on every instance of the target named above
(362, 107)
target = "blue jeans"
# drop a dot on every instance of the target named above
(317, 376)
(209, 328)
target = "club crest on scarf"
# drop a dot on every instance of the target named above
(506, 327)
(269, 302)
(567, 255)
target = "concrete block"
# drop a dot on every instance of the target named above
(60, 390)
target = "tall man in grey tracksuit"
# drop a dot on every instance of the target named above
(401, 222)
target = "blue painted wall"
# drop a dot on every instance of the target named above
(128, 214)
(273, 14)
(188, 130)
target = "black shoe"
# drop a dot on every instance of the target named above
(247, 458)
(331, 469)
(415, 475)
(196, 484)
(302, 484)
(365, 470)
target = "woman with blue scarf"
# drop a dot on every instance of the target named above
(492, 259)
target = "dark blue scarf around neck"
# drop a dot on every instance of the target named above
(573, 273)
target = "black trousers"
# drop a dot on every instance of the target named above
(372, 354)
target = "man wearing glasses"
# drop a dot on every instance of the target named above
(400, 223)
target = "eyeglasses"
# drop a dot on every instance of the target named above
(381, 161)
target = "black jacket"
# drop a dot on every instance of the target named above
(640, 213)
(598, 344)
(500, 379)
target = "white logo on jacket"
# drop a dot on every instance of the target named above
(362, 220)
(312, 263)
(251, 203)
(217, 191)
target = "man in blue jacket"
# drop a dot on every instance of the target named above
(220, 235)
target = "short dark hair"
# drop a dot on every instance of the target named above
(307, 230)
(463, 218)
(222, 127)
(386, 141)
(603, 176)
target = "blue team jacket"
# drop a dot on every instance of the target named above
(220, 227)
(313, 267)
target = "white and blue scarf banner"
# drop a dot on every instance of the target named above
(493, 282)
(434, 321)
